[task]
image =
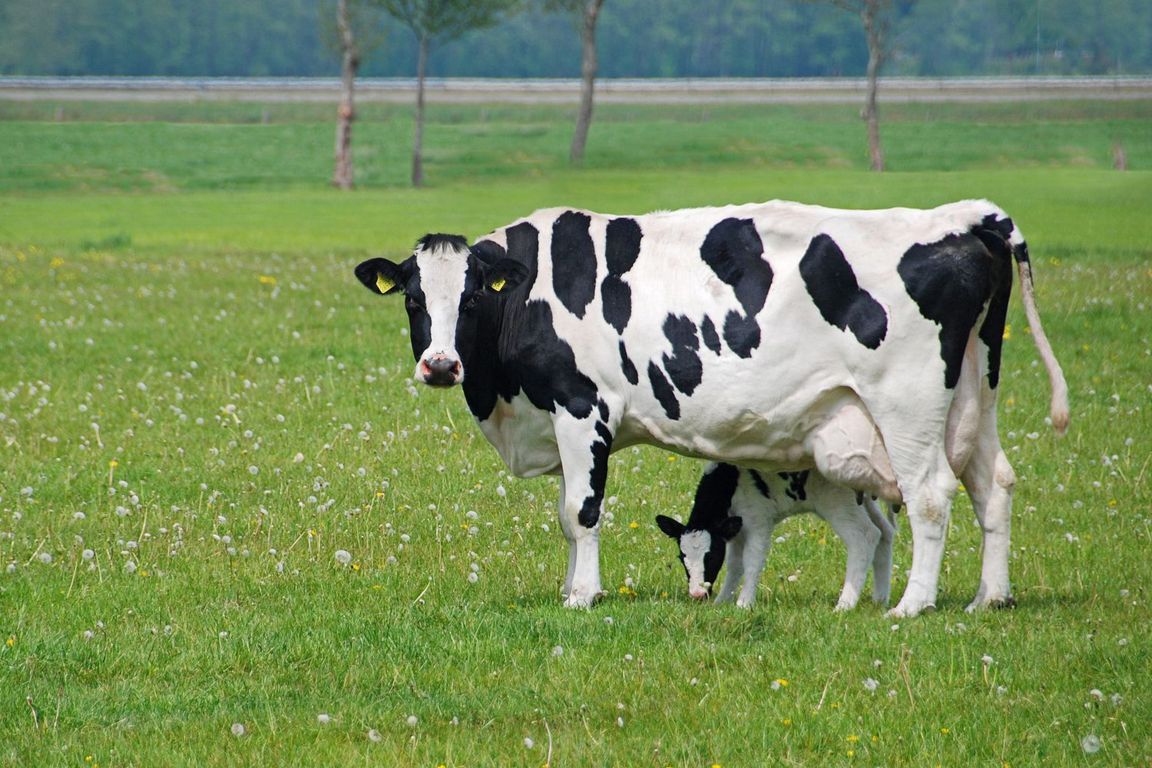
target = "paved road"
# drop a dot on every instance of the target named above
(609, 91)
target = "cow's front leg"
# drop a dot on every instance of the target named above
(584, 448)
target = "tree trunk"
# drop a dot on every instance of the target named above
(874, 30)
(588, 67)
(346, 112)
(418, 140)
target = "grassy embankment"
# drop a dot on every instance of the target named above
(199, 407)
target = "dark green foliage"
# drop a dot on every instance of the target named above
(636, 38)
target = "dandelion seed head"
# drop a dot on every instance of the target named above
(45, 557)
(412, 721)
(343, 556)
(323, 718)
(374, 736)
(528, 743)
(1090, 744)
(557, 650)
(237, 729)
(871, 684)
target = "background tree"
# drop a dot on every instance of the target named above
(876, 16)
(342, 176)
(442, 20)
(589, 13)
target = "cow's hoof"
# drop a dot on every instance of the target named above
(992, 603)
(582, 599)
(909, 609)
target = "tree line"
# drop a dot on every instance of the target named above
(635, 38)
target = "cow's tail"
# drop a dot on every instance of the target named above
(1059, 403)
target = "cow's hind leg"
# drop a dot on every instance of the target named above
(989, 479)
(929, 504)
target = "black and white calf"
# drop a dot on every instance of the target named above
(735, 512)
(864, 345)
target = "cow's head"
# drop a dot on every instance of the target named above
(443, 282)
(701, 549)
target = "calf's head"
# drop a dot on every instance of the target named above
(701, 549)
(444, 283)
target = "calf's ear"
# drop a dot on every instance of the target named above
(504, 275)
(672, 528)
(730, 526)
(380, 276)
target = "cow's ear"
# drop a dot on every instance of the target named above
(730, 526)
(380, 276)
(504, 275)
(672, 528)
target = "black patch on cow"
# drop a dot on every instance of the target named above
(842, 302)
(995, 239)
(545, 365)
(663, 391)
(622, 245)
(683, 366)
(797, 482)
(602, 409)
(714, 495)
(741, 334)
(487, 377)
(524, 246)
(589, 513)
(616, 299)
(761, 485)
(950, 281)
(734, 251)
(573, 261)
(708, 333)
(628, 366)
(489, 252)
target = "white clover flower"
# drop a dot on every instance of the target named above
(323, 718)
(343, 556)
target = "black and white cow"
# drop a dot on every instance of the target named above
(735, 511)
(862, 344)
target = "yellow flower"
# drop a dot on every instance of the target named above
(1007, 331)
(634, 525)
(782, 682)
(945, 731)
(11, 641)
(267, 280)
(853, 738)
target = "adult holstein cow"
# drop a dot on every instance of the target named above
(777, 336)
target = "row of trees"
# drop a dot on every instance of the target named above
(637, 38)
(445, 20)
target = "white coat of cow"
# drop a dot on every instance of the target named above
(775, 336)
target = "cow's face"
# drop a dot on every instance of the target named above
(444, 283)
(701, 550)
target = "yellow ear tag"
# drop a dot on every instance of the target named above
(498, 285)
(383, 284)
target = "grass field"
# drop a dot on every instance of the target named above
(199, 408)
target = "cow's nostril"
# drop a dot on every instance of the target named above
(440, 371)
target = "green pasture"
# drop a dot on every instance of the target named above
(200, 407)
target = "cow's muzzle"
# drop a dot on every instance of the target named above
(440, 371)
